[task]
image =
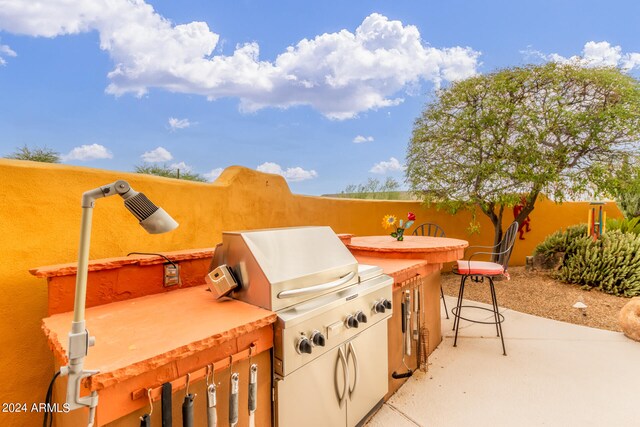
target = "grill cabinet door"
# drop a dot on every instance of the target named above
(308, 397)
(371, 384)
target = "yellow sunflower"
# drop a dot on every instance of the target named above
(388, 221)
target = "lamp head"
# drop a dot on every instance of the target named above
(159, 222)
(152, 218)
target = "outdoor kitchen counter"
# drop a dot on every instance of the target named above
(416, 257)
(144, 342)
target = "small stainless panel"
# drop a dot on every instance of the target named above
(366, 272)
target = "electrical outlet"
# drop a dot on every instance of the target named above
(171, 274)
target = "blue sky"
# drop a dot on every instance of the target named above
(324, 93)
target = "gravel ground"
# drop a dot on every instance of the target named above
(539, 294)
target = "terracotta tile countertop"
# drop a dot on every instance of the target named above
(399, 269)
(141, 334)
(70, 269)
(431, 249)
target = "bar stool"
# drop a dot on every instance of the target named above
(433, 230)
(477, 271)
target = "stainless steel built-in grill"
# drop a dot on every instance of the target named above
(330, 350)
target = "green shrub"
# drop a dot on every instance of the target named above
(169, 172)
(560, 240)
(37, 154)
(624, 225)
(610, 263)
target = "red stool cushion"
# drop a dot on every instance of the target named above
(479, 267)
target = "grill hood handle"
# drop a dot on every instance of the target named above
(316, 288)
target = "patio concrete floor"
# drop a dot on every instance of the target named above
(554, 374)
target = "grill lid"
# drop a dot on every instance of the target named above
(280, 267)
(290, 253)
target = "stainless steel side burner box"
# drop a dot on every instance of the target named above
(330, 339)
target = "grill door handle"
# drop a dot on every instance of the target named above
(351, 352)
(342, 397)
(316, 288)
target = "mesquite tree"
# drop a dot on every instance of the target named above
(627, 190)
(36, 154)
(495, 140)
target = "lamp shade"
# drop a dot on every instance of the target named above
(159, 222)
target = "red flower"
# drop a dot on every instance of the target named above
(411, 216)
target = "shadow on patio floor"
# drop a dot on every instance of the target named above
(555, 374)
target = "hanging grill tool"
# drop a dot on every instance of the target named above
(253, 394)
(167, 415)
(233, 400)
(145, 420)
(187, 406)
(212, 416)
(423, 342)
(415, 335)
(407, 313)
(406, 336)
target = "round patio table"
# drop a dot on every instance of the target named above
(432, 249)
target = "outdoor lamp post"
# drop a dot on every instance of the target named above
(153, 219)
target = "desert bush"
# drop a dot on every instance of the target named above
(169, 172)
(625, 225)
(36, 154)
(560, 240)
(611, 263)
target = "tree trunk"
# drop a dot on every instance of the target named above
(527, 209)
(497, 237)
(497, 234)
(496, 220)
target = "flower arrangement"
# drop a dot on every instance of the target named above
(389, 221)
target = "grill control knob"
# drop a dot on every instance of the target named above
(387, 304)
(362, 318)
(304, 345)
(351, 322)
(318, 339)
(379, 307)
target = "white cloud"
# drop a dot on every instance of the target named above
(601, 54)
(182, 166)
(339, 74)
(88, 152)
(391, 166)
(291, 174)
(594, 54)
(360, 139)
(156, 155)
(5, 51)
(630, 61)
(215, 173)
(178, 123)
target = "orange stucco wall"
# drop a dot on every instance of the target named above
(40, 225)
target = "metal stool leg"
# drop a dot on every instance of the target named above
(444, 302)
(455, 318)
(495, 309)
(458, 309)
(494, 303)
